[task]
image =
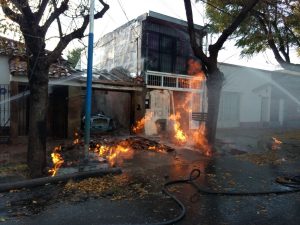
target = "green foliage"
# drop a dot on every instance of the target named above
(277, 21)
(73, 56)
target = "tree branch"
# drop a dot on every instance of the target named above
(295, 38)
(270, 39)
(103, 11)
(232, 27)
(15, 17)
(198, 51)
(281, 42)
(24, 8)
(57, 19)
(78, 33)
(41, 10)
(55, 14)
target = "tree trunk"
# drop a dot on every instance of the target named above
(214, 86)
(38, 103)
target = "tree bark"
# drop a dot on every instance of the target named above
(214, 86)
(214, 76)
(38, 104)
(34, 31)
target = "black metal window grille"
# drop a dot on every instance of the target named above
(4, 106)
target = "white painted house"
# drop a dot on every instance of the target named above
(259, 98)
(245, 99)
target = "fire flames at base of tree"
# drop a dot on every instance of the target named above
(113, 151)
(104, 149)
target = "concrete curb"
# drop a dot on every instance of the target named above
(61, 178)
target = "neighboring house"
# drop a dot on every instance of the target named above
(14, 103)
(245, 97)
(114, 94)
(259, 98)
(285, 99)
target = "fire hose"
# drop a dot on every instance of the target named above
(291, 182)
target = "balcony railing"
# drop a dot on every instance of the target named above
(160, 80)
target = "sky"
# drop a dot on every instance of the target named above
(122, 11)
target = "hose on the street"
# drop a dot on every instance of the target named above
(195, 173)
(292, 182)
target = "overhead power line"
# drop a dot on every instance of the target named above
(216, 7)
(122, 8)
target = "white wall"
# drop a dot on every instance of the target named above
(4, 70)
(117, 49)
(245, 82)
(159, 109)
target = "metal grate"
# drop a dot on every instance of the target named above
(4, 105)
(199, 116)
(154, 80)
(174, 81)
(169, 81)
(4, 113)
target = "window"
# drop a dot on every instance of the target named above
(153, 41)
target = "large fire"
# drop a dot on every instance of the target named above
(140, 124)
(197, 137)
(115, 153)
(57, 161)
(200, 140)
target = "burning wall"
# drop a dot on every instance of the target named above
(160, 110)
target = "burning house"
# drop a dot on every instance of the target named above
(146, 77)
(156, 48)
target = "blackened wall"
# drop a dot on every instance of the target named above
(116, 105)
(165, 46)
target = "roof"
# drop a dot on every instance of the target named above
(11, 47)
(288, 72)
(107, 82)
(171, 19)
(155, 15)
(117, 75)
(16, 51)
(18, 66)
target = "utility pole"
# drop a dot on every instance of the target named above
(137, 56)
(88, 96)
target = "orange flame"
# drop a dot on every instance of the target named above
(198, 137)
(57, 161)
(140, 124)
(276, 144)
(115, 154)
(76, 138)
(200, 140)
(156, 148)
(180, 136)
